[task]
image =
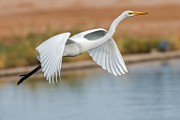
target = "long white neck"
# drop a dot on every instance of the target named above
(111, 30)
(114, 24)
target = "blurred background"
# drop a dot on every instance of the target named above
(150, 91)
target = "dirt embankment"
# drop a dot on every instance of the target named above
(82, 65)
(21, 17)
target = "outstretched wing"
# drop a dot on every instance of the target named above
(50, 56)
(108, 57)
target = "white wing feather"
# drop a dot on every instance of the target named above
(50, 56)
(109, 58)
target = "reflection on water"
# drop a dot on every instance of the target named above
(150, 91)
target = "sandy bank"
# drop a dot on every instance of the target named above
(67, 67)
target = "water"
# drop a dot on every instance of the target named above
(150, 91)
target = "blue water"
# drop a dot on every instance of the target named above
(150, 91)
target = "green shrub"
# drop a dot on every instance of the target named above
(20, 50)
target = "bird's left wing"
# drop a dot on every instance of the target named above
(109, 58)
(50, 56)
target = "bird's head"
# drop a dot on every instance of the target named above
(130, 13)
(125, 14)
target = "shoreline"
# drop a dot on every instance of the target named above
(69, 67)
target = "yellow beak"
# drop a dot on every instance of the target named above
(139, 13)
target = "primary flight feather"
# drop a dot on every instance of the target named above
(97, 42)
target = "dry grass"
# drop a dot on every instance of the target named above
(162, 20)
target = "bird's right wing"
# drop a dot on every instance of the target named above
(109, 58)
(50, 56)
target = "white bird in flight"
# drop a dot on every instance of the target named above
(97, 42)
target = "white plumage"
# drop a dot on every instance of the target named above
(109, 58)
(50, 56)
(97, 42)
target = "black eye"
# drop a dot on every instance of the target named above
(130, 13)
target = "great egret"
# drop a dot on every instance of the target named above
(97, 42)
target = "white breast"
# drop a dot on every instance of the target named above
(71, 50)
